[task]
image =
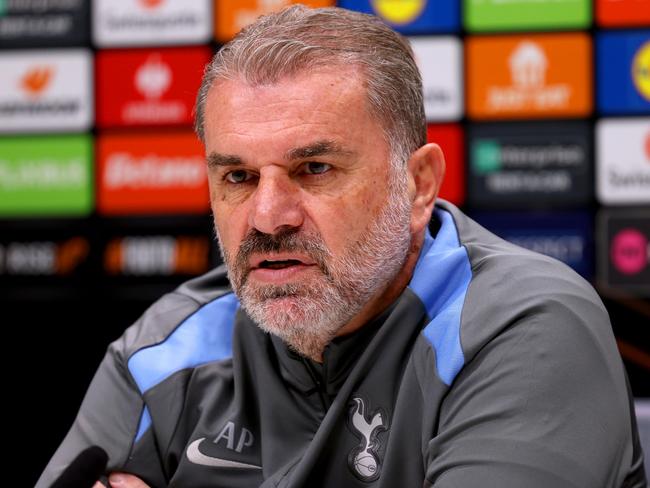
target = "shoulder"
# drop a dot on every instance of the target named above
(511, 286)
(478, 289)
(189, 326)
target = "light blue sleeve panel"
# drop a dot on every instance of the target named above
(441, 278)
(203, 337)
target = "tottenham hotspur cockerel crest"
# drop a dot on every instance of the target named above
(364, 460)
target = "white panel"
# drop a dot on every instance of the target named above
(47, 90)
(623, 161)
(440, 62)
(151, 22)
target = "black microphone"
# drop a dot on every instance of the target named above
(84, 470)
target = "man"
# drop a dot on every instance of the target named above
(371, 339)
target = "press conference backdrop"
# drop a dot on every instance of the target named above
(542, 108)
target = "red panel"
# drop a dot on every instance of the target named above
(151, 174)
(148, 87)
(450, 138)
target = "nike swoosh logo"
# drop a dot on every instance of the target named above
(197, 457)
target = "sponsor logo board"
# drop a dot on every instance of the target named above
(41, 176)
(151, 22)
(45, 91)
(440, 63)
(47, 23)
(623, 161)
(534, 76)
(622, 13)
(230, 16)
(450, 139)
(412, 16)
(148, 87)
(151, 174)
(624, 249)
(565, 236)
(484, 15)
(623, 71)
(48, 257)
(157, 255)
(530, 165)
(155, 250)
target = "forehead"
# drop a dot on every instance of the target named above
(327, 103)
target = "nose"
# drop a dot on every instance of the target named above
(276, 203)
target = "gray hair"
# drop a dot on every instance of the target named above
(298, 39)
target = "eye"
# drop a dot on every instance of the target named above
(316, 168)
(238, 176)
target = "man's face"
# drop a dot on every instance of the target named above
(299, 178)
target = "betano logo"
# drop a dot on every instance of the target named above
(153, 78)
(157, 255)
(36, 80)
(399, 11)
(154, 172)
(134, 179)
(641, 70)
(528, 64)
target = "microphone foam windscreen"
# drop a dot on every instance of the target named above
(84, 470)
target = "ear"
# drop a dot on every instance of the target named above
(426, 168)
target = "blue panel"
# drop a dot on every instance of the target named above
(203, 337)
(565, 236)
(618, 88)
(432, 16)
(441, 278)
(145, 423)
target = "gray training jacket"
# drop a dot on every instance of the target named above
(496, 367)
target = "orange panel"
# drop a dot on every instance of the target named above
(533, 76)
(232, 15)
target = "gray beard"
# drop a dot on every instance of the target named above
(308, 315)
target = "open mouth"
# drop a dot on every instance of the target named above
(280, 264)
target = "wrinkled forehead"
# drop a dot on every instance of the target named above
(305, 95)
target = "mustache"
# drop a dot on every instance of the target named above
(288, 240)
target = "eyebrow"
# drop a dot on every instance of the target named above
(318, 148)
(215, 159)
